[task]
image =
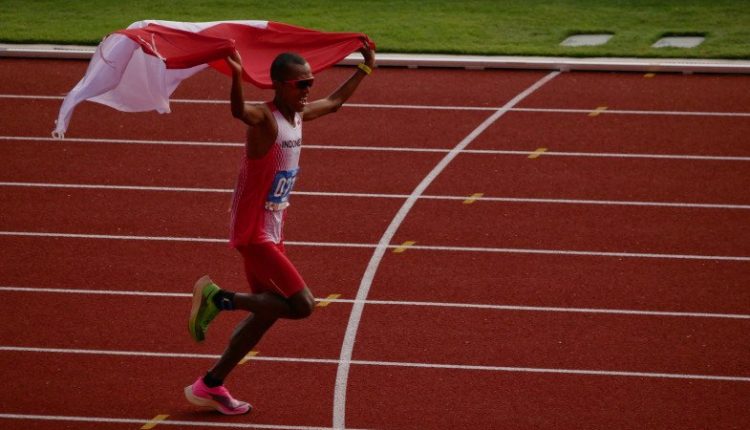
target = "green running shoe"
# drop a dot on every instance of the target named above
(203, 310)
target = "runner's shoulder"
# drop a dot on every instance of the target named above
(267, 114)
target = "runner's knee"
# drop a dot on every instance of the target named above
(302, 305)
(304, 309)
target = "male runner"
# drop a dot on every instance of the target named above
(267, 175)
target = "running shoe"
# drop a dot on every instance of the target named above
(203, 310)
(215, 398)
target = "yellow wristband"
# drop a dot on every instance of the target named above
(364, 67)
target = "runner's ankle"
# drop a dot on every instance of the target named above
(224, 300)
(212, 381)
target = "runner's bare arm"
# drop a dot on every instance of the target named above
(333, 102)
(249, 114)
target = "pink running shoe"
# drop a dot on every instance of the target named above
(216, 398)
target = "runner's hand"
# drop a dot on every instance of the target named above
(369, 55)
(235, 62)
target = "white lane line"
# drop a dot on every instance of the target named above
(549, 309)
(439, 107)
(30, 97)
(633, 155)
(140, 421)
(558, 371)
(389, 149)
(635, 112)
(580, 253)
(123, 141)
(113, 237)
(369, 245)
(383, 196)
(13, 289)
(114, 187)
(482, 368)
(174, 239)
(347, 347)
(595, 202)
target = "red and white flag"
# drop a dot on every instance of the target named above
(138, 69)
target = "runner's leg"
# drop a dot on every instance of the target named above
(272, 277)
(271, 305)
(246, 335)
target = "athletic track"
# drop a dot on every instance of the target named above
(494, 250)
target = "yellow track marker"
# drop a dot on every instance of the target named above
(597, 111)
(249, 356)
(404, 246)
(649, 75)
(327, 301)
(537, 153)
(154, 422)
(472, 198)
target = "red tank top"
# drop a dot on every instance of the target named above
(261, 194)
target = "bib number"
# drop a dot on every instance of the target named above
(278, 196)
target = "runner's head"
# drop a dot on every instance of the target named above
(292, 79)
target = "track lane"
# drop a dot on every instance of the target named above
(445, 400)
(618, 133)
(554, 340)
(420, 86)
(520, 130)
(480, 278)
(539, 400)
(565, 281)
(189, 166)
(48, 77)
(558, 227)
(666, 91)
(36, 424)
(658, 230)
(582, 90)
(721, 182)
(466, 337)
(162, 266)
(76, 162)
(146, 387)
(202, 215)
(687, 181)
(157, 324)
(213, 123)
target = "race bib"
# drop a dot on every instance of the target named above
(278, 195)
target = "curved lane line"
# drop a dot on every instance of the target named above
(342, 373)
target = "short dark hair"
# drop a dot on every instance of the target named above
(282, 62)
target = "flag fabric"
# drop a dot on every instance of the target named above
(137, 69)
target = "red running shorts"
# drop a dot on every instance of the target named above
(268, 269)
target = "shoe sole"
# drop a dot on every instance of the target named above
(212, 404)
(195, 332)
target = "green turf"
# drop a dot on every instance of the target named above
(508, 27)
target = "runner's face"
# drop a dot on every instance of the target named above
(296, 86)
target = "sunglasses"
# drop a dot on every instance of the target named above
(301, 84)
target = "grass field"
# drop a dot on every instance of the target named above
(506, 27)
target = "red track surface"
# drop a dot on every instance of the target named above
(546, 333)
